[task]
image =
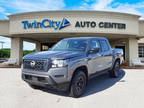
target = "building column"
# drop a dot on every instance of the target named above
(17, 49)
(38, 46)
(131, 50)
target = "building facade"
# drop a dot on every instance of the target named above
(45, 28)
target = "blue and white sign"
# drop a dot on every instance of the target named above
(46, 23)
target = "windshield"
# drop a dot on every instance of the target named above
(71, 45)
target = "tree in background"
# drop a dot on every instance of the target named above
(5, 53)
(25, 52)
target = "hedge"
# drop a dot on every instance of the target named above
(5, 53)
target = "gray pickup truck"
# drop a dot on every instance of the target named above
(70, 63)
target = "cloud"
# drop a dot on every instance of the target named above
(110, 5)
(1, 9)
(101, 4)
(7, 41)
(3, 13)
(125, 8)
(30, 5)
(28, 46)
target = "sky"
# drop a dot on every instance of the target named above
(8, 7)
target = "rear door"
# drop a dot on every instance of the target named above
(106, 53)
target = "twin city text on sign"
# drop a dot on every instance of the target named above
(58, 25)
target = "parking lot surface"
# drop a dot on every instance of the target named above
(127, 91)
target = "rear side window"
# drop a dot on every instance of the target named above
(104, 45)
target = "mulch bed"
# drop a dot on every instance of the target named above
(124, 66)
(9, 66)
(128, 67)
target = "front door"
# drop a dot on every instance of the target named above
(95, 59)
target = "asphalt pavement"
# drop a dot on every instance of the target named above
(127, 91)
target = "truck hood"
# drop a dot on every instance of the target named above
(53, 55)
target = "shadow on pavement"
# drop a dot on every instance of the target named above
(101, 83)
(95, 85)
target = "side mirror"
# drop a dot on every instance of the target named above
(94, 50)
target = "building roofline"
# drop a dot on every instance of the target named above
(52, 11)
(4, 20)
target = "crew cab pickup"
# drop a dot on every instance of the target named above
(70, 63)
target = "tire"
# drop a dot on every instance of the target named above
(114, 73)
(78, 84)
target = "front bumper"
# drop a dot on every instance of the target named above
(38, 79)
(55, 78)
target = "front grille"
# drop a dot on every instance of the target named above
(38, 65)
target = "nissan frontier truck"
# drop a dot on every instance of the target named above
(70, 63)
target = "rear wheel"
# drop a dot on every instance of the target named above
(115, 71)
(78, 84)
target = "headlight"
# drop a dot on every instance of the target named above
(59, 63)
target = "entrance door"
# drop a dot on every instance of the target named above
(46, 46)
(123, 48)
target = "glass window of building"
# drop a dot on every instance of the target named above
(141, 51)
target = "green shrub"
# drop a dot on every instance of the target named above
(5, 53)
(25, 52)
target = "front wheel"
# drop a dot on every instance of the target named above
(115, 70)
(78, 84)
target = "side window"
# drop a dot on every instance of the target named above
(104, 45)
(94, 44)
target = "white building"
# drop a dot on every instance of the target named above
(45, 28)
